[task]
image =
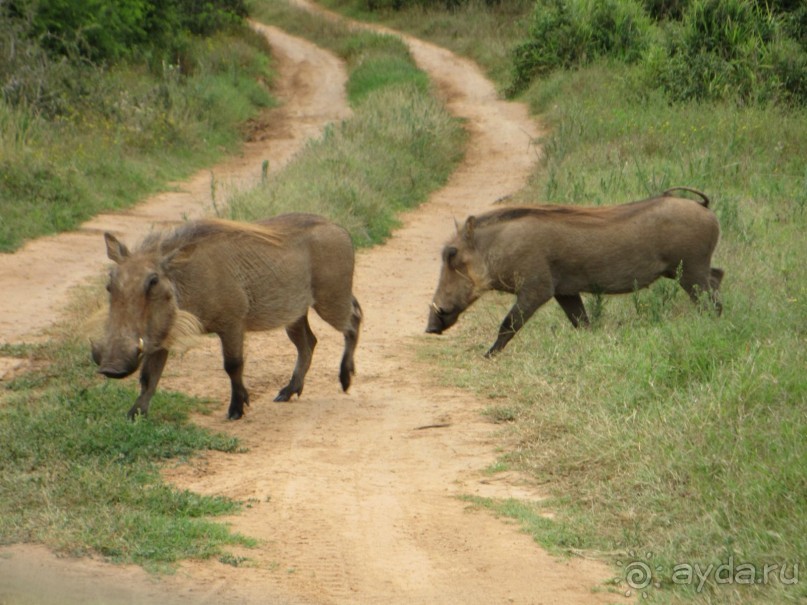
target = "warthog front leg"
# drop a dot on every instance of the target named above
(232, 348)
(150, 372)
(527, 302)
(303, 338)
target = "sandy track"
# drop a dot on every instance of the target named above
(351, 499)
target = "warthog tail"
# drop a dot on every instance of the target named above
(701, 194)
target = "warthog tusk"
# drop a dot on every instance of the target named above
(140, 345)
(436, 309)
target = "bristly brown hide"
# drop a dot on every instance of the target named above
(227, 278)
(543, 252)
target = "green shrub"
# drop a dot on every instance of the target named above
(789, 63)
(795, 25)
(747, 51)
(728, 49)
(375, 5)
(108, 30)
(665, 9)
(568, 33)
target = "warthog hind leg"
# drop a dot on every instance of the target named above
(572, 304)
(715, 277)
(699, 284)
(150, 373)
(348, 368)
(303, 338)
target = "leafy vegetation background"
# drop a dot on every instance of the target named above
(104, 102)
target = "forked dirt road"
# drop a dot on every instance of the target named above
(353, 498)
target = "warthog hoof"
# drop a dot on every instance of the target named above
(287, 392)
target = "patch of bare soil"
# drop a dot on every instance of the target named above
(353, 498)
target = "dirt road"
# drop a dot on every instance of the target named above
(351, 499)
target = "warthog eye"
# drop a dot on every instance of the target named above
(449, 253)
(152, 281)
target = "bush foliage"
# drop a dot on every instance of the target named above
(91, 101)
(567, 33)
(743, 50)
(51, 47)
(112, 29)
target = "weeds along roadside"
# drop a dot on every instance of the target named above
(116, 133)
(662, 434)
(80, 478)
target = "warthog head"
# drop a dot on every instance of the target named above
(462, 280)
(142, 310)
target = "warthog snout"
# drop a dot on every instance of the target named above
(440, 319)
(121, 365)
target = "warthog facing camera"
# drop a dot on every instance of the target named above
(227, 278)
(540, 252)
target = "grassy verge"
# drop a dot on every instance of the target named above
(673, 438)
(132, 135)
(399, 144)
(81, 479)
(483, 31)
(77, 475)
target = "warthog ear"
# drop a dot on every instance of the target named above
(170, 257)
(468, 230)
(115, 250)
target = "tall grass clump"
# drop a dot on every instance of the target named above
(83, 480)
(399, 144)
(728, 49)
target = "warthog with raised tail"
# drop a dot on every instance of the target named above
(541, 252)
(227, 278)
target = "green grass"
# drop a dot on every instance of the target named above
(82, 479)
(131, 136)
(662, 430)
(399, 145)
(484, 32)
